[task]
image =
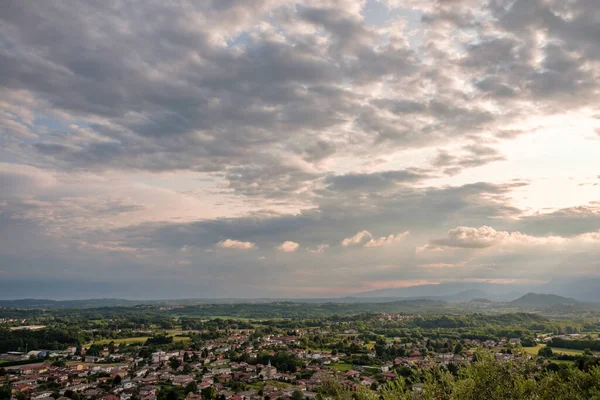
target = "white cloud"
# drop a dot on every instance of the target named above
(485, 237)
(366, 239)
(236, 244)
(386, 240)
(319, 249)
(468, 237)
(288, 246)
(359, 238)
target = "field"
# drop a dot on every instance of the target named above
(132, 340)
(556, 350)
(90, 365)
(342, 367)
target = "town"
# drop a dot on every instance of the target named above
(244, 360)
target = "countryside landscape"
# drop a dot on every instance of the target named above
(300, 200)
(401, 349)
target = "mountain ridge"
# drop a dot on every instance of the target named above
(536, 300)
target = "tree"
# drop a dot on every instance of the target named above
(545, 352)
(5, 391)
(187, 369)
(458, 349)
(69, 393)
(191, 387)
(59, 363)
(209, 393)
(117, 380)
(528, 342)
(174, 362)
(297, 395)
(172, 394)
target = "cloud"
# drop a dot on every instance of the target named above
(319, 249)
(444, 265)
(475, 238)
(142, 149)
(236, 244)
(358, 238)
(377, 181)
(288, 247)
(386, 240)
(485, 236)
(366, 239)
(470, 156)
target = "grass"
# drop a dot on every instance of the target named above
(556, 350)
(342, 367)
(244, 319)
(562, 362)
(72, 363)
(132, 340)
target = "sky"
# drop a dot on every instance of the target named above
(274, 148)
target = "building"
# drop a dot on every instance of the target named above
(268, 372)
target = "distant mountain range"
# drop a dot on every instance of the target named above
(583, 290)
(558, 293)
(536, 300)
(453, 291)
(56, 304)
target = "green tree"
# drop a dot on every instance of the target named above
(5, 391)
(191, 387)
(209, 393)
(174, 362)
(297, 395)
(458, 349)
(545, 352)
(172, 394)
(59, 363)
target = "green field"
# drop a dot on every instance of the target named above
(73, 363)
(342, 367)
(556, 350)
(132, 340)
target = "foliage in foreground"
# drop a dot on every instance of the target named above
(487, 379)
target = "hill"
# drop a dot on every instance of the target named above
(58, 304)
(452, 291)
(537, 300)
(587, 290)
